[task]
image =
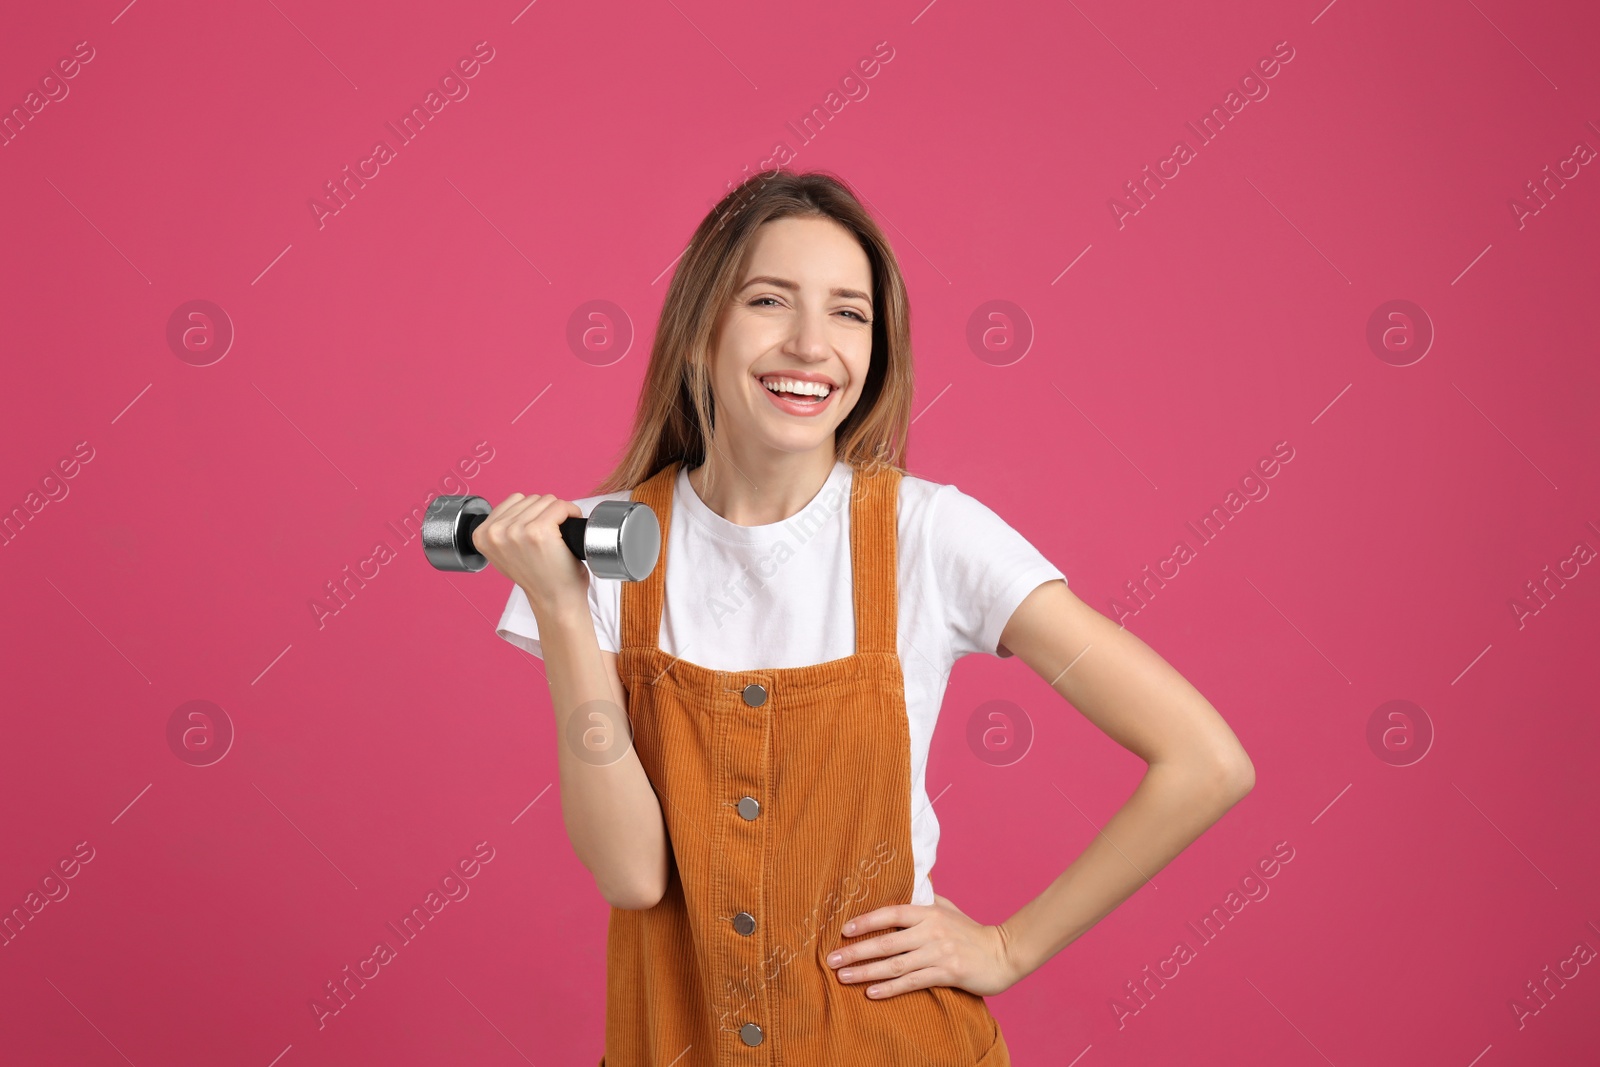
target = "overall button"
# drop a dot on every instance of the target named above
(755, 695)
(749, 808)
(744, 923)
(750, 1033)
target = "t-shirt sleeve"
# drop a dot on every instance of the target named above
(983, 569)
(518, 625)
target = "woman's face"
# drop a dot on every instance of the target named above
(803, 312)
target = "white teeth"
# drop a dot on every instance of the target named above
(794, 385)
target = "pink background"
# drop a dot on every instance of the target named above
(1165, 357)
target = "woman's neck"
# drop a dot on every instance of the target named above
(756, 491)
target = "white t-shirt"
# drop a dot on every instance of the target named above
(963, 571)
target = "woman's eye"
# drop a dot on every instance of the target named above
(760, 302)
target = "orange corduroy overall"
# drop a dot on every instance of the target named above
(786, 794)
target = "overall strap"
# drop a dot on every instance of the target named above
(642, 601)
(874, 525)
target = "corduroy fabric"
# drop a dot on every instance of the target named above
(827, 755)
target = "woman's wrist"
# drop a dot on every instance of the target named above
(572, 616)
(1020, 957)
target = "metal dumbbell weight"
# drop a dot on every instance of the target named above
(619, 538)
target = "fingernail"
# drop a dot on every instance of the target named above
(874, 991)
(849, 927)
(844, 975)
(836, 959)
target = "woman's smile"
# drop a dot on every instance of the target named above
(796, 395)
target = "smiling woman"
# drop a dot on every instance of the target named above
(798, 332)
(789, 277)
(758, 815)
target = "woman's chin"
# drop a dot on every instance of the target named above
(795, 439)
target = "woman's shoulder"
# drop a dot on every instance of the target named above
(949, 520)
(917, 497)
(933, 521)
(922, 498)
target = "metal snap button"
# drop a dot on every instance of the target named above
(755, 694)
(750, 1033)
(749, 808)
(744, 923)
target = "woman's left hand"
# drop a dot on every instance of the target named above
(939, 945)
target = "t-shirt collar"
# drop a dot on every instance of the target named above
(832, 493)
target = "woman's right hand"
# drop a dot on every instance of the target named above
(521, 537)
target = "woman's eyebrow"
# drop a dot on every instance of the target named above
(784, 283)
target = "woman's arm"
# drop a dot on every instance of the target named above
(612, 815)
(1197, 768)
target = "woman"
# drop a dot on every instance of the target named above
(745, 732)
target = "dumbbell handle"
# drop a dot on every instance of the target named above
(571, 531)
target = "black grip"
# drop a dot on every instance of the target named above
(571, 532)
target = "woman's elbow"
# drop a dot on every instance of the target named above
(631, 901)
(1238, 776)
(1222, 772)
(634, 896)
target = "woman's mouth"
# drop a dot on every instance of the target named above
(796, 397)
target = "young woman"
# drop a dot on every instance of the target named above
(744, 734)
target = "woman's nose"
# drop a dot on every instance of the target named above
(811, 334)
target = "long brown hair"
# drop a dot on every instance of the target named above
(675, 408)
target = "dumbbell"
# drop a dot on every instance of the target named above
(619, 538)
